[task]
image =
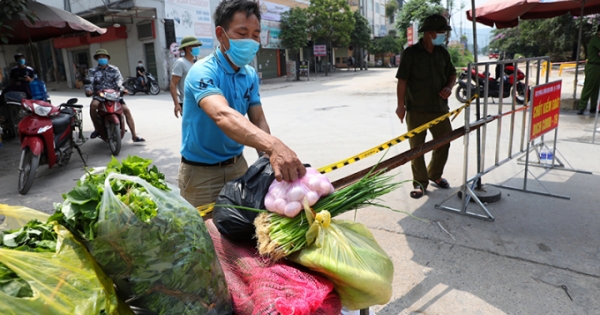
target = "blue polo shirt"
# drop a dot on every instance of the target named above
(201, 139)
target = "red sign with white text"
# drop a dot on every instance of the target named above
(545, 108)
(409, 36)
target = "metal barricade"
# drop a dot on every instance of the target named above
(515, 136)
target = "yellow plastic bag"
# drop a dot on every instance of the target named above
(66, 282)
(347, 254)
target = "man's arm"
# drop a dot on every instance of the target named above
(284, 161)
(89, 88)
(173, 88)
(257, 117)
(400, 93)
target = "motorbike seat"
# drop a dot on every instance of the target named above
(14, 98)
(62, 121)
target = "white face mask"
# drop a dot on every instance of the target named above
(140, 64)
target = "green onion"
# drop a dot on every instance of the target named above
(280, 236)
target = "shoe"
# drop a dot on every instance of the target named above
(94, 135)
(580, 112)
(138, 139)
(441, 183)
(417, 193)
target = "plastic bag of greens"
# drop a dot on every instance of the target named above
(155, 247)
(248, 191)
(44, 270)
(347, 254)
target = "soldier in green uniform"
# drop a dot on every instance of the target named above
(426, 76)
(591, 86)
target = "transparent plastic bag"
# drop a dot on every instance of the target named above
(65, 282)
(347, 254)
(167, 265)
(285, 198)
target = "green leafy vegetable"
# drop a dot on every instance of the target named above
(149, 241)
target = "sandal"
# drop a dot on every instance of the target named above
(94, 135)
(138, 139)
(417, 193)
(441, 183)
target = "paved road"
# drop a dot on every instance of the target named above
(510, 266)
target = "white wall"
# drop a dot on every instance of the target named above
(53, 3)
(82, 5)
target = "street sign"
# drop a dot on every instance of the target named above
(320, 50)
(545, 108)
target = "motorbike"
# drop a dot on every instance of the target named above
(494, 85)
(111, 118)
(46, 134)
(133, 86)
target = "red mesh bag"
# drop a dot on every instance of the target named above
(261, 287)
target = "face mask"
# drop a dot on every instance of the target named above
(103, 61)
(21, 62)
(140, 64)
(195, 51)
(242, 51)
(440, 39)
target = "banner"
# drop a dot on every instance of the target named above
(191, 18)
(320, 50)
(272, 11)
(269, 34)
(545, 108)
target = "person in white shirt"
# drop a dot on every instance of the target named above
(191, 48)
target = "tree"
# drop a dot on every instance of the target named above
(386, 44)
(416, 10)
(331, 21)
(11, 9)
(361, 34)
(294, 24)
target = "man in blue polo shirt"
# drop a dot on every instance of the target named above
(219, 91)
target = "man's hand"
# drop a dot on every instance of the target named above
(125, 91)
(401, 112)
(178, 110)
(27, 78)
(445, 92)
(88, 93)
(285, 163)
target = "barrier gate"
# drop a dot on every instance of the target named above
(530, 135)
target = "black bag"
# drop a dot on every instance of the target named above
(248, 191)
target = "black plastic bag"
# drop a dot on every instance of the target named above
(248, 191)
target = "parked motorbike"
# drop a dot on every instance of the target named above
(494, 87)
(46, 134)
(133, 86)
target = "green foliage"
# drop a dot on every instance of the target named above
(386, 44)
(294, 24)
(390, 8)
(331, 21)
(460, 57)
(555, 37)
(416, 10)
(361, 34)
(12, 9)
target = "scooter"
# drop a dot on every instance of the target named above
(46, 134)
(494, 85)
(133, 86)
(111, 118)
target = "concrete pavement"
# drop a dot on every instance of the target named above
(449, 264)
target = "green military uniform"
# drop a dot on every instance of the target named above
(426, 75)
(591, 86)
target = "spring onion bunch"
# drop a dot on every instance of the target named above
(279, 236)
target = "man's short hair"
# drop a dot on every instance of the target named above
(228, 8)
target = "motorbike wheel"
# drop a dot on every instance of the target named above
(520, 94)
(27, 175)
(154, 89)
(114, 138)
(461, 94)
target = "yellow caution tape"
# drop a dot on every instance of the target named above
(386, 145)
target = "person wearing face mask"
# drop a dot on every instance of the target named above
(106, 76)
(219, 91)
(140, 73)
(20, 76)
(190, 46)
(426, 76)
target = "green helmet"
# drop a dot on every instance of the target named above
(101, 51)
(189, 41)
